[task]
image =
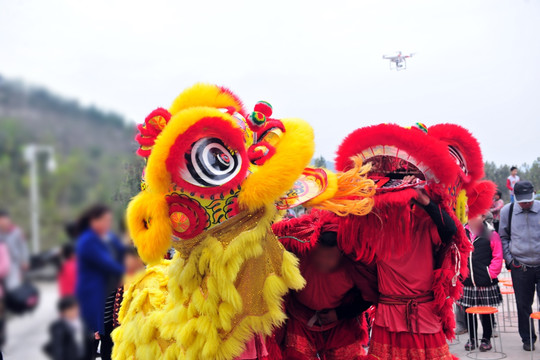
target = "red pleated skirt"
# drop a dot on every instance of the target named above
(386, 345)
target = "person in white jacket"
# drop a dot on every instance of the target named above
(19, 256)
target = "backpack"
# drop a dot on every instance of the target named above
(509, 229)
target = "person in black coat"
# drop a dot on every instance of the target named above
(69, 340)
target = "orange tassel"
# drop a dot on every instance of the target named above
(355, 192)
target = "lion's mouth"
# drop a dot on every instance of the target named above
(391, 166)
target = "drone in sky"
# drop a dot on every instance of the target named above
(398, 61)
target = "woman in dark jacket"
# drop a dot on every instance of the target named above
(99, 265)
(481, 287)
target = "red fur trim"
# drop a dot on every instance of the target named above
(480, 195)
(239, 103)
(380, 233)
(426, 148)
(299, 235)
(207, 127)
(466, 143)
(444, 291)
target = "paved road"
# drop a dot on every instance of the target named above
(27, 334)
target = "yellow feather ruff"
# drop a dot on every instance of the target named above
(204, 95)
(226, 290)
(149, 226)
(354, 194)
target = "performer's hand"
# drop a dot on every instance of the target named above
(328, 317)
(422, 197)
(409, 179)
(96, 335)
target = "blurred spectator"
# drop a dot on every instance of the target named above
(72, 231)
(4, 270)
(496, 207)
(67, 276)
(481, 287)
(19, 255)
(133, 265)
(520, 234)
(511, 181)
(99, 265)
(488, 220)
(69, 340)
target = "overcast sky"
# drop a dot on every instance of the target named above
(477, 62)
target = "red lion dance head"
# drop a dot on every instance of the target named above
(447, 161)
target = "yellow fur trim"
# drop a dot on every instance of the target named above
(158, 179)
(354, 195)
(218, 298)
(204, 95)
(149, 225)
(461, 207)
(146, 294)
(278, 174)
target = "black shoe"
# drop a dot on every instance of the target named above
(528, 347)
(485, 345)
(470, 346)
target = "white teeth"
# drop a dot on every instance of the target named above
(392, 151)
(366, 154)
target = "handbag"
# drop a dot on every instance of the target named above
(23, 298)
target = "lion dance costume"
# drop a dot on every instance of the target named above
(213, 178)
(419, 253)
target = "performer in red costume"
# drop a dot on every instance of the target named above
(323, 317)
(425, 180)
(406, 325)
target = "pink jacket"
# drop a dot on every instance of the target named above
(497, 255)
(4, 264)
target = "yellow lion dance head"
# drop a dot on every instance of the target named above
(208, 161)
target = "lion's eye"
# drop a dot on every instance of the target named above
(210, 163)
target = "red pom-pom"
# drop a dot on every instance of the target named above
(264, 107)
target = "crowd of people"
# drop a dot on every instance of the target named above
(93, 266)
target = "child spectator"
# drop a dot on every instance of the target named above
(496, 207)
(481, 286)
(69, 340)
(67, 276)
(511, 181)
(4, 270)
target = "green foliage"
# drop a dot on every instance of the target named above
(94, 152)
(319, 162)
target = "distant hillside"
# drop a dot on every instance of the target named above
(52, 119)
(94, 151)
